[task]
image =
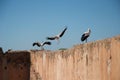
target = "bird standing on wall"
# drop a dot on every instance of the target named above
(86, 35)
(41, 44)
(57, 37)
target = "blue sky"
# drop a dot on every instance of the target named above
(23, 22)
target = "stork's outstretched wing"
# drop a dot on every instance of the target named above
(57, 36)
(62, 33)
(36, 43)
(50, 38)
(84, 37)
(47, 42)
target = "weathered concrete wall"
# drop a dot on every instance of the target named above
(15, 65)
(98, 60)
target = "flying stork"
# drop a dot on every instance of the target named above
(57, 37)
(41, 44)
(86, 35)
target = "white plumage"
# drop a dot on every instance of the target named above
(86, 35)
(57, 37)
(41, 44)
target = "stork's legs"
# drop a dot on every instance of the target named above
(42, 48)
(86, 40)
(58, 41)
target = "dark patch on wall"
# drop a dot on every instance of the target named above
(86, 60)
(5, 67)
(17, 65)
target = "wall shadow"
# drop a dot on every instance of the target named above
(15, 65)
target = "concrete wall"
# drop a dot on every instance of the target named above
(98, 60)
(15, 66)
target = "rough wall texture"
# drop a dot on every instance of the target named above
(98, 60)
(15, 66)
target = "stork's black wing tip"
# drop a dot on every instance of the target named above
(66, 27)
(50, 38)
(49, 43)
(33, 44)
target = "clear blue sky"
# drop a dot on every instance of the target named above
(23, 22)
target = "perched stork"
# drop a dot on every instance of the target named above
(57, 37)
(41, 44)
(86, 35)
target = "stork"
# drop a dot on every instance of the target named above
(86, 35)
(41, 44)
(57, 37)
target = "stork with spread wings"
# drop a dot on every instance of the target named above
(41, 44)
(57, 37)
